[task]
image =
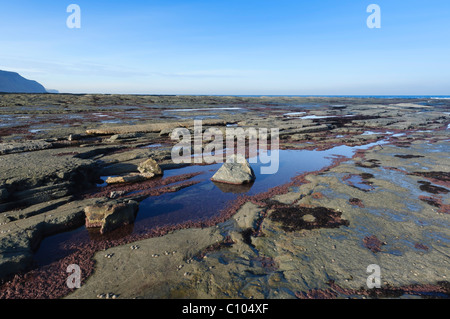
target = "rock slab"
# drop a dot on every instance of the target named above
(111, 216)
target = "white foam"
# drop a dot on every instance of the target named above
(294, 113)
(369, 133)
(313, 117)
(206, 109)
(37, 130)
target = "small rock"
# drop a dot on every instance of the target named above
(111, 295)
(75, 137)
(150, 166)
(115, 194)
(309, 218)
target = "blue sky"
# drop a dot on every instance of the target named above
(321, 47)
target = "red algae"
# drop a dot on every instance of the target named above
(356, 202)
(317, 195)
(373, 243)
(150, 187)
(436, 201)
(291, 217)
(440, 289)
(421, 246)
(439, 178)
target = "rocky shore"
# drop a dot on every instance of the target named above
(310, 237)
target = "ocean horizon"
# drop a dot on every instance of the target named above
(432, 97)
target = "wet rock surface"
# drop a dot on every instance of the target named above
(387, 206)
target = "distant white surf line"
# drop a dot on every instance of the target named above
(294, 113)
(313, 117)
(440, 98)
(206, 109)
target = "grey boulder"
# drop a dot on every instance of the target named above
(235, 171)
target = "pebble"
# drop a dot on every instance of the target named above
(108, 295)
(155, 255)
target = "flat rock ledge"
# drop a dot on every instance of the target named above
(130, 178)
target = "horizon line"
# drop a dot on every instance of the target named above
(246, 95)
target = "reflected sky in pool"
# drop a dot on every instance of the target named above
(201, 200)
(207, 198)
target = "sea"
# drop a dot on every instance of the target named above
(430, 97)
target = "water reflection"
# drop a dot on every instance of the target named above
(196, 202)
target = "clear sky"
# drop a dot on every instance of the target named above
(320, 47)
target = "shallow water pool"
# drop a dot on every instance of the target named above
(200, 201)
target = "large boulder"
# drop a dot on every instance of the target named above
(111, 216)
(150, 166)
(235, 171)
